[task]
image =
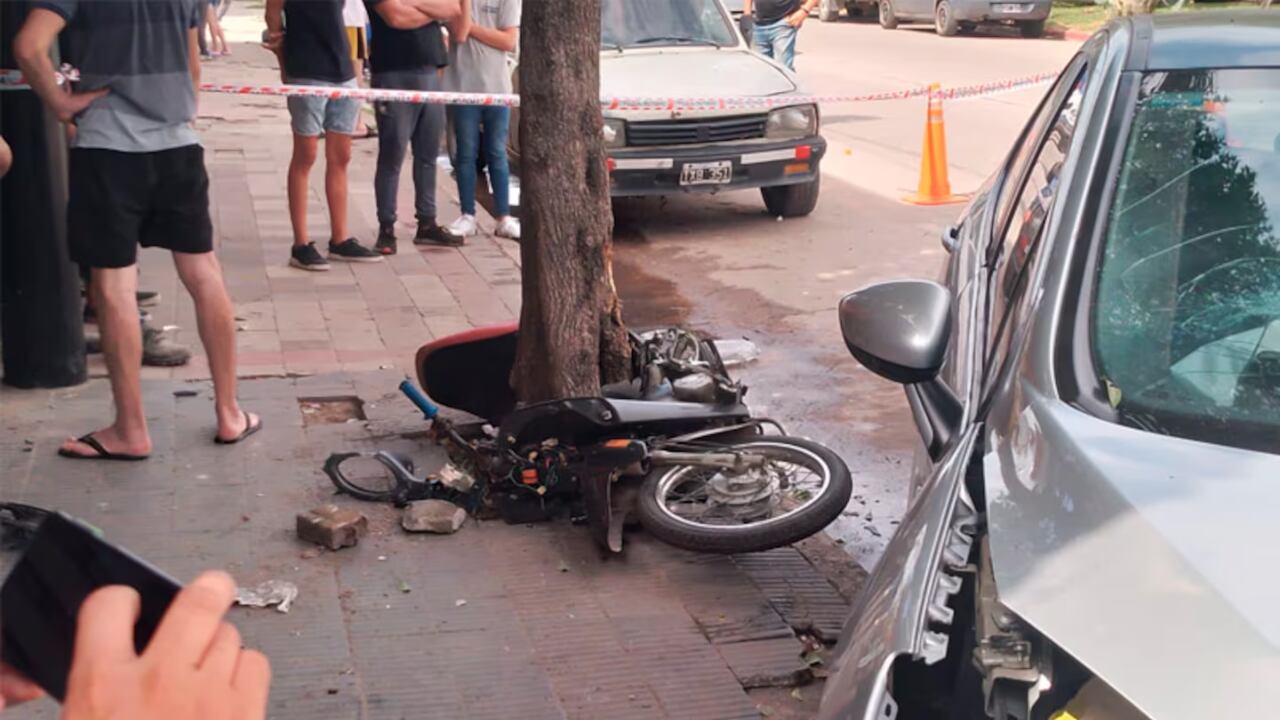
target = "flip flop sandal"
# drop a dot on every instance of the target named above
(101, 452)
(249, 429)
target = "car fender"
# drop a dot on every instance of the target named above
(902, 610)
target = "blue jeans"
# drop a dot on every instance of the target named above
(777, 41)
(467, 120)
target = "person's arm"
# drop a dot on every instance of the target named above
(797, 18)
(505, 37)
(273, 38)
(746, 7)
(31, 50)
(193, 65)
(403, 14)
(6, 162)
(461, 25)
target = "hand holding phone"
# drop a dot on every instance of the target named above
(113, 637)
(194, 666)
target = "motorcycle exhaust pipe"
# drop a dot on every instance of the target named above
(733, 462)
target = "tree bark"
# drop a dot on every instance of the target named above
(571, 331)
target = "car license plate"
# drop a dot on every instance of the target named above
(1012, 8)
(707, 173)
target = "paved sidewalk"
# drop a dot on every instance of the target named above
(496, 621)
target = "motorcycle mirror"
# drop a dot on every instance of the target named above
(899, 330)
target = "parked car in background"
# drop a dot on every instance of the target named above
(692, 48)
(1097, 388)
(951, 17)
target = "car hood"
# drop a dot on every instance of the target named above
(690, 72)
(1150, 559)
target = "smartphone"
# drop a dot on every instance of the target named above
(65, 562)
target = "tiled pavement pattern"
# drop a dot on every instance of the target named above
(495, 622)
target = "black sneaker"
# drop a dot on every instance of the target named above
(350, 250)
(386, 244)
(148, 298)
(307, 257)
(430, 233)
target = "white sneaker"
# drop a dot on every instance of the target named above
(464, 227)
(508, 227)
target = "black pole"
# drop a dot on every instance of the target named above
(41, 330)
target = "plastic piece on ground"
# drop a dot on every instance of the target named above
(280, 593)
(735, 352)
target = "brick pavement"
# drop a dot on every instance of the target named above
(548, 629)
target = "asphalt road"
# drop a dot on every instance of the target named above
(721, 265)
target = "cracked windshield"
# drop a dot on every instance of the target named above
(1187, 315)
(645, 23)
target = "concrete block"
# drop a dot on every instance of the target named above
(433, 516)
(332, 527)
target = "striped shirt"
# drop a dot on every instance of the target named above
(138, 49)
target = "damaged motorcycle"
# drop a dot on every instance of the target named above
(675, 447)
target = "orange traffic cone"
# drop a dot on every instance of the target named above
(935, 186)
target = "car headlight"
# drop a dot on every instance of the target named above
(615, 133)
(799, 121)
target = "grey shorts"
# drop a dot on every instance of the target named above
(310, 115)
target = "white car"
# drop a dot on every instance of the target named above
(692, 48)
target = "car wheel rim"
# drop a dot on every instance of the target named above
(943, 12)
(886, 12)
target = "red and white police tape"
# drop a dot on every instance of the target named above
(12, 80)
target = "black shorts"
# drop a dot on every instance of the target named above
(121, 200)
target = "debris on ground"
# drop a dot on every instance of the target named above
(459, 602)
(433, 516)
(280, 593)
(451, 476)
(564, 566)
(332, 527)
(186, 393)
(736, 351)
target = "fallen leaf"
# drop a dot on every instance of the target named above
(812, 659)
(404, 587)
(459, 602)
(764, 710)
(795, 694)
(564, 566)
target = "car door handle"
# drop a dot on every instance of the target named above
(950, 238)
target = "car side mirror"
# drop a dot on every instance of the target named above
(900, 331)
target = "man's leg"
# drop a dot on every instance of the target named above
(337, 157)
(395, 127)
(497, 121)
(763, 40)
(108, 199)
(201, 274)
(304, 157)
(466, 133)
(427, 131)
(786, 40)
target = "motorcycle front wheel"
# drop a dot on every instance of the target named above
(801, 487)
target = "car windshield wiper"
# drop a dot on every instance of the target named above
(681, 40)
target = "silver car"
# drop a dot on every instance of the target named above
(1093, 525)
(693, 49)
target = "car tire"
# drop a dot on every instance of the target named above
(944, 19)
(1032, 28)
(829, 11)
(791, 201)
(888, 20)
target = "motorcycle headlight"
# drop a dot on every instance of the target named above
(800, 121)
(615, 133)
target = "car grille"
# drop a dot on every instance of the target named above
(688, 132)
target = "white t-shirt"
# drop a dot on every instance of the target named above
(354, 14)
(476, 67)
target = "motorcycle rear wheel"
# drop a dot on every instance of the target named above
(718, 530)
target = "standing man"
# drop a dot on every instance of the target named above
(482, 38)
(309, 38)
(776, 25)
(408, 53)
(137, 176)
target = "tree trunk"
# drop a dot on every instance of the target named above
(571, 332)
